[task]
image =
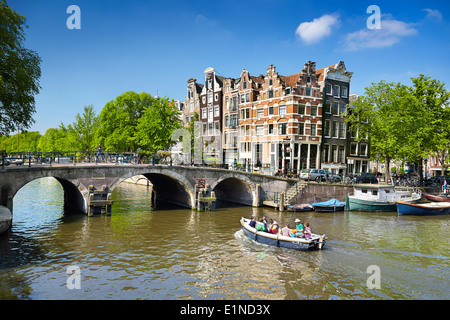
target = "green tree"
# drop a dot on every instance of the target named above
(118, 120)
(82, 131)
(382, 114)
(158, 122)
(19, 73)
(432, 117)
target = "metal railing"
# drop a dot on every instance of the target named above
(72, 157)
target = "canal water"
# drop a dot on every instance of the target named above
(177, 253)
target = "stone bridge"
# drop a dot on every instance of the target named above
(88, 187)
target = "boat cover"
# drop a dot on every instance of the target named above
(330, 203)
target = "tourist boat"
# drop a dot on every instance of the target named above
(316, 242)
(332, 205)
(300, 207)
(380, 197)
(437, 198)
(432, 208)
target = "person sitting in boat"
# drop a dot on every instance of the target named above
(286, 231)
(266, 223)
(298, 228)
(274, 228)
(307, 231)
(253, 222)
(261, 226)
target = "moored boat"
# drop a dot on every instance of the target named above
(316, 242)
(332, 205)
(380, 197)
(437, 198)
(431, 208)
(300, 207)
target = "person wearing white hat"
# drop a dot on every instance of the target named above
(298, 228)
(274, 229)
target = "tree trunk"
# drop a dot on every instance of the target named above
(387, 172)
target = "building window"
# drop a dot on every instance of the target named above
(242, 98)
(205, 127)
(363, 149)
(314, 110)
(282, 110)
(301, 109)
(326, 129)
(326, 153)
(260, 113)
(216, 97)
(234, 103)
(216, 111)
(341, 154)
(270, 128)
(301, 128)
(226, 121)
(308, 91)
(335, 129)
(336, 91)
(353, 148)
(335, 109)
(287, 91)
(343, 108)
(328, 89)
(227, 88)
(210, 114)
(308, 79)
(204, 113)
(259, 130)
(227, 103)
(313, 130)
(344, 92)
(270, 94)
(282, 128)
(334, 153)
(244, 85)
(247, 97)
(191, 107)
(210, 98)
(270, 111)
(342, 130)
(327, 106)
(270, 82)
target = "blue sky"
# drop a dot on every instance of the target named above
(158, 45)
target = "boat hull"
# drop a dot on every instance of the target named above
(437, 198)
(329, 208)
(375, 206)
(281, 241)
(404, 208)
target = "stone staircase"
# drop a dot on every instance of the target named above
(293, 191)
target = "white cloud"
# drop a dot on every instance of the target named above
(433, 14)
(311, 32)
(390, 33)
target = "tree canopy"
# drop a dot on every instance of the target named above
(404, 123)
(19, 73)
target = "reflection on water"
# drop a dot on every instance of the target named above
(177, 253)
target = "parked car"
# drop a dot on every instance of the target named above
(332, 177)
(313, 174)
(365, 178)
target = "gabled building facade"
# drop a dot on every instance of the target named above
(192, 101)
(210, 116)
(280, 130)
(334, 82)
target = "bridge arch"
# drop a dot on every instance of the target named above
(235, 188)
(168, 185)
(73, 193)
